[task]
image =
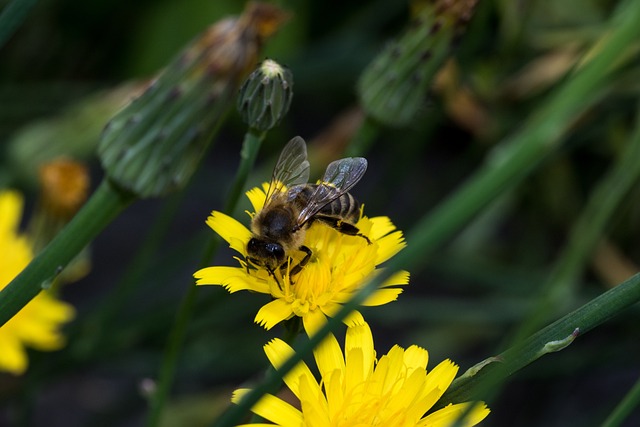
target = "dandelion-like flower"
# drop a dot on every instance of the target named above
(37, 324)
(357, 390)
(339, 266)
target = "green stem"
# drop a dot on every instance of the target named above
(517, 158)
(630, 402)
(557, 292)
(250, 146)
(248, 154)
(102, 208)
(13, 15)
(547, 340)
(95, 327)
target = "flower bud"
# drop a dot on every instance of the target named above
(265, 96)
(73, 132)
(153, 145)
(393, 87)
(64, 186)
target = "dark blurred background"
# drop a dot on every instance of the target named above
(69, 55)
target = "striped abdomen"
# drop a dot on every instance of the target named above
(345, 207)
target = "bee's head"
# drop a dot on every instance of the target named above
(270, 255)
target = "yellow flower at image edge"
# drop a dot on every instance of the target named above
(339, 266)
(357, 390)
(37, 324)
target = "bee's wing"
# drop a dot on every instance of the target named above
(339, 178)
(291, 169)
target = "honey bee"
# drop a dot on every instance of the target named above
(292, 205)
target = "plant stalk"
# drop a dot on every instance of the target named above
(558, 291)
(630, 402)
(106, 203)
(517, 158)
(249, 152)
(580, 321)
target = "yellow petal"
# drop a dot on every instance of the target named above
(329, 356)
(410, 391)
(335, 392)
(389, 245)
(380, 226)
(234, 279)
(38, 323)
(313, 321)
(273, 313)
(277, 411)
(416, 358)
(382, 296)
(360, 337)
(423, 398)
(441, 376)
(278, 352)
(314, 404)
(393, 368)
(257, 197)
(330, 309)
(232, 231)
(396, 279)
(10, 211)
(273, 409)
(48, 309)
(354, 372)
(13, 357)
(354, 318)
(450, 413)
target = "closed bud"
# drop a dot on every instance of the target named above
(64, 186)
(153, 145)
(265, 96)
(393, 87)
(73, 132)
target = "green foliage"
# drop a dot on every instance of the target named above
(510, 160)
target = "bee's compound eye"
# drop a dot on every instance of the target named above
(252, 246)
(276, 250)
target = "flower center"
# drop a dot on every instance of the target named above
(361, 407)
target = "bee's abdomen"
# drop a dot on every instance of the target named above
(345, 207)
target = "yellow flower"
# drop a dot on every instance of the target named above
(357, 390)
(339, 266)
(37, 324)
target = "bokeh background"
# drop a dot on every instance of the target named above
(72, 63)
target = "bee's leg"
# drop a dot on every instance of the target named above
(251, 263)
(247, 261)
(272, 273)
(342, 226)
(298, 268)
(255, 262)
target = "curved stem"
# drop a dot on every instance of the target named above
(249, 152)
(517, 157)
(93, 330)
(12, 16)
(585, 235)
(624, 408)
(104, 206)
(554, 337)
